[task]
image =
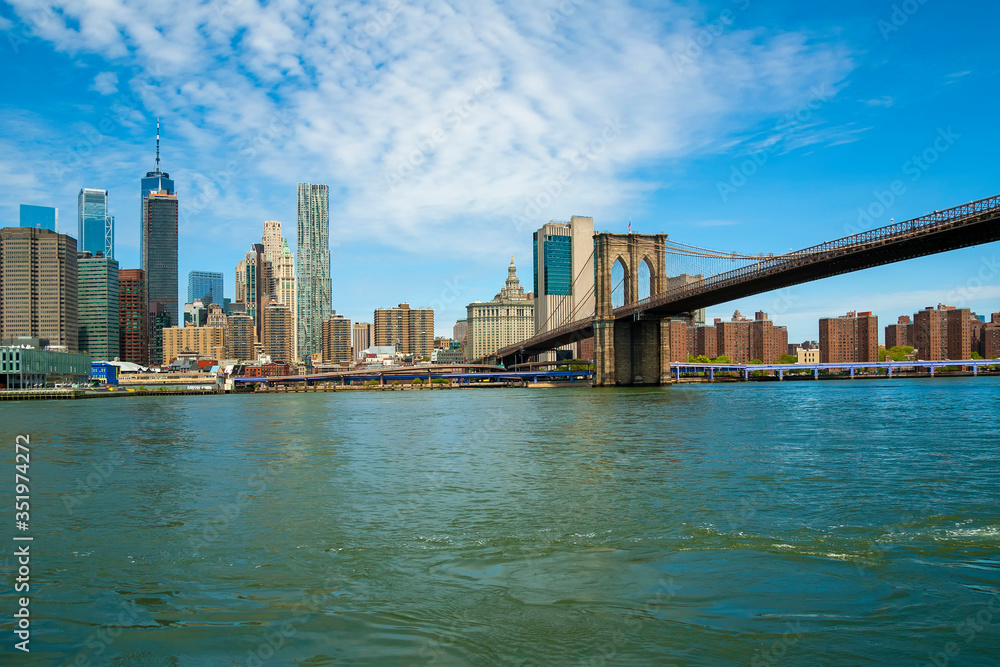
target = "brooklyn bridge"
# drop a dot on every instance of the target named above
(632, 340)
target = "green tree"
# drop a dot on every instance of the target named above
(702, 359)
(788, 359)
(722, 359)
(756, 362)
(976, 355)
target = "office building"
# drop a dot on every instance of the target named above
(312, 271)
(159, 319)
(256, 286)
(159, 254)
(241, 338)
(278, 329)
(158, 251)
(94, 227)
(899, 334)
(205, 341)
(850, 338)
(133, 318)
(461, 329)
(205, 286)
(508, 319)
(563, 271)
(195, 314)
(362, 338)
(39, 217)
(38, 286)
(98, 311)
(29, 367)
(409, 330)
(337, 335)
(282, 263)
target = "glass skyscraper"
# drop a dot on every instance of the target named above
(98, 311)
(40, 217)
(159, 251)
(155, 181)
(95, 228)
(205, 286)
(312, 271)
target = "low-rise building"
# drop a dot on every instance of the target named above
(29, 367)
(206, 341)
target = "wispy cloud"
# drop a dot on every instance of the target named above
(361, 87)
(106, 83)
(884, 101)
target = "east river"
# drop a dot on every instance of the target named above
(800, 523)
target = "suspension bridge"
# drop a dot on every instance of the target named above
(631, 344)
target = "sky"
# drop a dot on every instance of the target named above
(449, 131)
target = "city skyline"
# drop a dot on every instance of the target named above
(818, 159)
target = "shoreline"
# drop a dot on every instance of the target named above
(121, 391)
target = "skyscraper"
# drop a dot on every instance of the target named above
(205, 286)
(38, 285)
(95, 229)
(98, 296)
(159, 252)
(278, 327)
(312, 274)
(133, 318)
(282, 262)
(40, 217)
(508, 319)
(258, 286)
(363, 334)
(563, 276)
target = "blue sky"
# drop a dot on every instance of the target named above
(439, 126)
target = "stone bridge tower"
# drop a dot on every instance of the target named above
(630, 352)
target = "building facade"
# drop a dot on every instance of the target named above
(257, 286)
(95, 228)
(461, 329)
(38, 286)
(159, 254)
(241, 338)
(409, 330)
(133, 317)
(508, 319)
(39, 217)
(930, 333)
(98, 310)
(205, 286)
(850, 338)
(363, 336)
(563, 269)
(206, 341)
(24, 368)
(312, 273)
(278, 331)
(899, 334)
(337, 334)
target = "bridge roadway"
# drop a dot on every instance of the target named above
(959, 227)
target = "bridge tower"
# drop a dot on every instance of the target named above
(635, 352)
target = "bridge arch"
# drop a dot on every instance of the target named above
(644, 279)
(620, 287)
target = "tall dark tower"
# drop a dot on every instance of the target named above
(158, 249)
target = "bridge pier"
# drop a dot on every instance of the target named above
(633, 352)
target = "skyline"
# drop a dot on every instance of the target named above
(819, 121)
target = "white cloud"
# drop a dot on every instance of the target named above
(5, 23)
(106, 83)
(388, 106)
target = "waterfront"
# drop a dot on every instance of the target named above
(792, 523)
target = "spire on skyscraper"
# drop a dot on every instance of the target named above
(157, 145)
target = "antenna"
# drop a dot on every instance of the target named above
(157, 145)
